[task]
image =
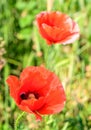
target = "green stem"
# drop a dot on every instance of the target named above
(49, 5)
(17, 120)
(49, 56)
(46, 55)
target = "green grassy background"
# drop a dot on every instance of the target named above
(21, 46)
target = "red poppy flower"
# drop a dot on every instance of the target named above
(37, 91)
(57, 27)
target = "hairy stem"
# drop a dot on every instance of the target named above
(49, 5)
(17, 120)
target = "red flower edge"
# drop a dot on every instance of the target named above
(37, 91)
(56, 27)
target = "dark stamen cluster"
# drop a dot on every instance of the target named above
(25, 96)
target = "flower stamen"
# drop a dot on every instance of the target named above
(25, 96)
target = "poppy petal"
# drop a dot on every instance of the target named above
(35, 80)
(70, 38)
(57, 33)
(55, 102)
(33, 104)
(55, 99)
(13, 83)
(27, 109)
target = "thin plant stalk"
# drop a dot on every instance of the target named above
(17, 120)
(49, 5)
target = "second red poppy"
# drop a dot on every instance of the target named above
(56, 27)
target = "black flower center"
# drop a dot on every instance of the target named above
(25, 96)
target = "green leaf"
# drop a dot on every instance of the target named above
(24, 34)
(25, 21)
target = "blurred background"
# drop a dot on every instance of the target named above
(21, 45)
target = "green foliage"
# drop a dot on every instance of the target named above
(72, 63)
